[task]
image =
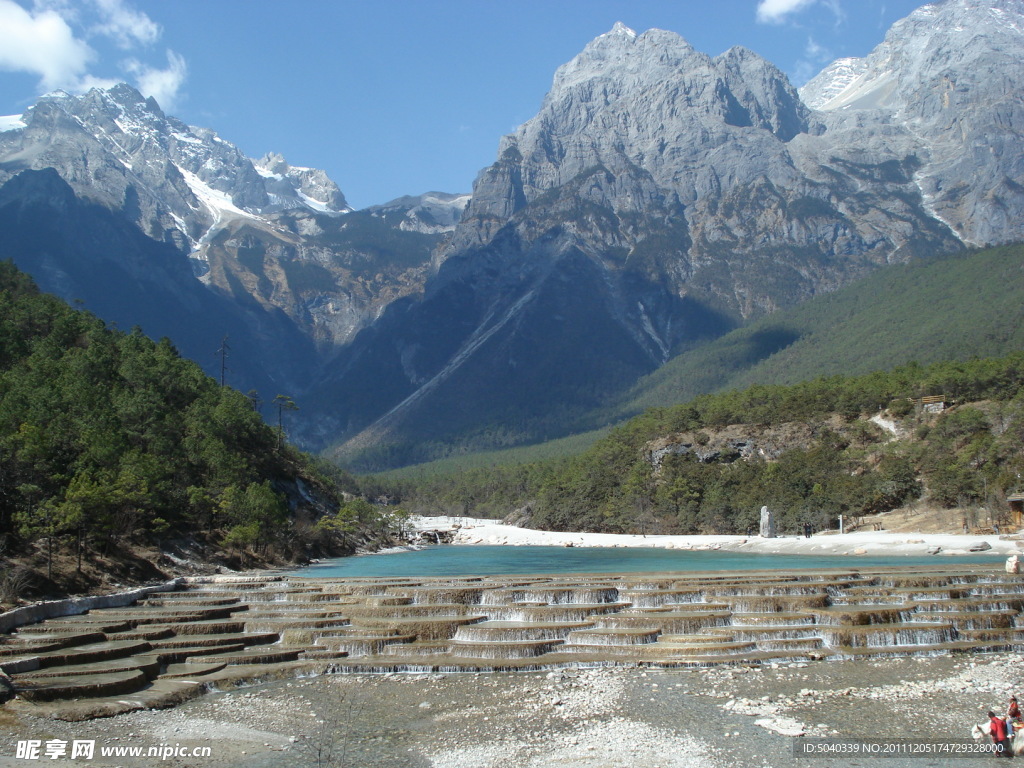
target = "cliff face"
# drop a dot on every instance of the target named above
(943, 88)
(273, 246)
(661, 196)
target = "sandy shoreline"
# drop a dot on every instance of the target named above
(474, 531)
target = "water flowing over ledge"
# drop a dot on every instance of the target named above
(221, 632)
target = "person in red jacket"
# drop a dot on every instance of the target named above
(997, 728)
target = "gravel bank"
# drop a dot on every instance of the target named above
(598, 718)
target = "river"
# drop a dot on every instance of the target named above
(492, 560)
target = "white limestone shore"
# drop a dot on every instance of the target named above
(475, 531)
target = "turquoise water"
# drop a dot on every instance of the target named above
(485, 560)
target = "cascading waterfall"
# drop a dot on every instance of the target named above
(521, 621)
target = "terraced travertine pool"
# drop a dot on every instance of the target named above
(219, 632)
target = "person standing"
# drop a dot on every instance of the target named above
(997, 728)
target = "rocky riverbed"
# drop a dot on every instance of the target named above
(598, 718)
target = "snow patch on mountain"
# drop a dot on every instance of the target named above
(431, 213)
(11, 123)
(832, 81)
(219, 203)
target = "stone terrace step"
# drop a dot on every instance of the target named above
(767, 632)
(146, 633)
(936, 649)
(425, 628)
(159, 694)
(604, 636)
(419, 648)
(771, 619)
(82, 622)
(361, 645)
(163, 616)
(411, 611)
(250, 656)
(774, 603)
(80, 686)
(280, 625)
(213, 627)
(996, 619)
(387, 600)
(517, 649)
(548, 613)
(1014, 635)
(21, 644)
(168, 656)
(700, 649)
(87, 654)
(651, 598)
(790, 643)
(722, 635)
(512, 631)
(189, 671)
(185, 600)
(673, 622)
(198, 641)
(282, 611)
(858, 615)
(885, 635)
(985, 603)
(149, 666)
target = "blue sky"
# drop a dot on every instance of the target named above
(390, 97)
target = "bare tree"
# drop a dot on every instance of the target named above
(330, 735)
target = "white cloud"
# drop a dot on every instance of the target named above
(815, 57)
(776, 11)
(43, 44)
(57, 40)
(164, 85)
(126, 26)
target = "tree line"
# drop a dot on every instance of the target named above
(109, 439)
(970, 454)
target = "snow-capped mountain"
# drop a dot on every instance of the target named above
(831, 81)
(275, 242)
(950, 76)
(187, 180)
(430, 213)
(659, 198)
(662, 195)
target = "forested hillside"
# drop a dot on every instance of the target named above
(110, 441)
(950, 307)
(810, 452)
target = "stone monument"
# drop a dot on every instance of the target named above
(767, 523)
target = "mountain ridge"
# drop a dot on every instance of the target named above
(728, 193)
(660, 198)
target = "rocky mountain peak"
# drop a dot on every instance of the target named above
(619, 54)
(645, 107)
(117, 147)
(832, 81)
(932, 42)
(292, 186)
(948, 77)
